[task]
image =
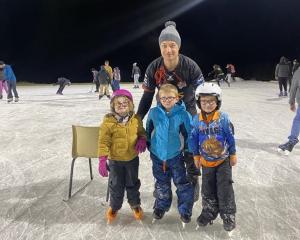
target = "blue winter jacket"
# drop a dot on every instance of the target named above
(9, 75)
(213, 141)
(168, 133)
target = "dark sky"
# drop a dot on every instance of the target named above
(45, 39)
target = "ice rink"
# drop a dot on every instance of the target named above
(35, 160)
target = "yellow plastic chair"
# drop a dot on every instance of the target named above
(85, 144)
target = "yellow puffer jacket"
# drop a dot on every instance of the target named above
(117, 141)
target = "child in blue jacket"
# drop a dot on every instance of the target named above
(168, 128)
(213, 146)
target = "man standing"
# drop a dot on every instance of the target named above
(294, 97)
(136, 72)
(179, 70)
(7, 74)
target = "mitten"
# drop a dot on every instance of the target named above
(140, 145)
(102, 168)
(233, 159)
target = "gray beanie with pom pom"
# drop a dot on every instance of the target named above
(169, 33)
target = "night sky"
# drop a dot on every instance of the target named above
(46, 39)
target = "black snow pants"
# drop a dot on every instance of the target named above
(217, 191)
(124, 175)
(282, 83)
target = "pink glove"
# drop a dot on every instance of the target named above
(140, 145)
(102, 168)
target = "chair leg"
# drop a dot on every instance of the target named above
(71, 177)
(91, 172)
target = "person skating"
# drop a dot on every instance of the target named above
(282, 74)
(104, 80)
(7, 74)
(294, 98)
(179, 70)
(3, 85)
(121, 138)
(218, 74)
(62, 82)
(95, 79)
(115, 83)
(213, 145)
(230, 72)
(135, 74)
(166, 124)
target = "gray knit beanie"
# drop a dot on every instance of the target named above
(169, 33)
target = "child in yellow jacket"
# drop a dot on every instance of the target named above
(121, 138)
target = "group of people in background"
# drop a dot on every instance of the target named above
(218, 75)
(284, 73)
(107, 77)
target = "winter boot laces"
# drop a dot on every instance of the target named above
(138, 213)
(229, 222)
(111, 215)
(158, 213)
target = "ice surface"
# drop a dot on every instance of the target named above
(35, 161)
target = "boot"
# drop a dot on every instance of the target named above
(202, 220)
(16, 99)
(289, 145)
(280, 94)
(185, 218)
(138, 213)
(108, 96)
(228, 222)
(285, 94)
(111, 215)
(1, 96)
(9, 100)
(158, 213)
(100, 96)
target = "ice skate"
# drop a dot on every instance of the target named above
(280, 94)
(16, 99)
(9, 100)
(202, 221)
(138, 213)
(184, 220)
(157, 214)
(1, 96)
(228, 222)
(111, 215)
(287, 147)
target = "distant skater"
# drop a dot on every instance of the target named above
(7, 75)
(62, 82)
(136, 73)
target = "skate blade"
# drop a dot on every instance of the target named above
(197, 227)
(183, 225)
(230, 233)
(286, 152)
(154, 220)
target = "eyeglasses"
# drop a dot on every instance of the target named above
(122, 104)
(164, 99)
(205, 102)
